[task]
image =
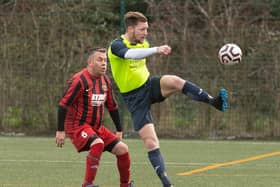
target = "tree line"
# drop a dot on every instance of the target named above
(44, 42)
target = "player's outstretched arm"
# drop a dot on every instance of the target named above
(140, 53)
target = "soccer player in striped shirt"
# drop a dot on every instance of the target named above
(127, 56)
(80, 116)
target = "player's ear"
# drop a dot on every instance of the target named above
(130, 28)
(89, 61)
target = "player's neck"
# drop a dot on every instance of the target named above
(129, 38)
(93, 73)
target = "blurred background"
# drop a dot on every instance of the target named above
(43, 43)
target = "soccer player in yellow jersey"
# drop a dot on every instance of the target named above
(127, 57)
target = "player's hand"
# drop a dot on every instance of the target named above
(164, 49)
(119, 135)
(60, 138)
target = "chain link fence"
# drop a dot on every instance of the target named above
(43, 44)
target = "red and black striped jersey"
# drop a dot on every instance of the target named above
(85, 99)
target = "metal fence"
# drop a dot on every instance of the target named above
(41, 48)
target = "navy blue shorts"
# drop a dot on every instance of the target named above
(139, 102)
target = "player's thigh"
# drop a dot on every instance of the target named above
(149, 136)
(171, 84)
(109, 138)
(83, 137)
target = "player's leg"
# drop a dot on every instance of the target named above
(123, 163)
(92, 161)
(149, 136)
(120, 149)
(85, 139)
(139, 104)
(171, 84)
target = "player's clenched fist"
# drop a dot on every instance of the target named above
(164, 49)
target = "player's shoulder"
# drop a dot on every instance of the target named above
(117, 42)
(118, 48)
(79, 76)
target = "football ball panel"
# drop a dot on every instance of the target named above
(230, 54)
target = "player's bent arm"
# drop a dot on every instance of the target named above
(119, 49)
(140, 53)
(60, 134)
(61, 115)
(116, 119)
(115, 116)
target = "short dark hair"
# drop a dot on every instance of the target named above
(91, 51)
(132, 18)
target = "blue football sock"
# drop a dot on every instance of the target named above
(195, 92)
(158, 163)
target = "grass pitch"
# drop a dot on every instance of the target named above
(37, 162)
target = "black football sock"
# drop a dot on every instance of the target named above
(158, 163)
(196, 93)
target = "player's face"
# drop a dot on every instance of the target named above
(98, 63)
(140, 31)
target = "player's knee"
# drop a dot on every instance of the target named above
(151, 143)
(96, 149)
(120, 148)
(178, 82)
(174, 81)
(124, 147)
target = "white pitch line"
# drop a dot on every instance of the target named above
(103, 162)
(172, 164)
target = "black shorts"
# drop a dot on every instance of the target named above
(139, 101)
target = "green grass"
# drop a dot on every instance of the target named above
(36, 162)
